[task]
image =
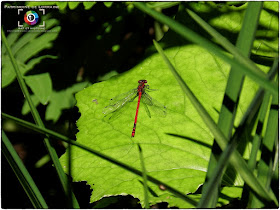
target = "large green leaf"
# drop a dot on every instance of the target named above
(182, 164)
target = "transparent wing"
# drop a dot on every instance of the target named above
(157, 107)
(147, 110)
(120, 101)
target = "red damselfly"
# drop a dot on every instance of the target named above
(121, 100)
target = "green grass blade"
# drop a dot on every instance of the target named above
(158, 30)
(144, 174)
(43, 160)
(99, 154)
(255, 148)
(265, 167)
(69, 186)
(256, 143)
(237, 161)
(37, 118)
(207, 199)
(22, 174)
(257, 138)
(233, 88)
(254, 73)
(248, 119)
(20, 80)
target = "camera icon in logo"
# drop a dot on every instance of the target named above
(31, 17)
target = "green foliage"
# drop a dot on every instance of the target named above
(63, 99)
(41, 86)
(38, 121)
(108, 4)
(89, 4)
(266, 36)
(58, 100)
(73, 4)
(25, 46)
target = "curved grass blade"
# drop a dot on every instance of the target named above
(258, 136)
(22, 174)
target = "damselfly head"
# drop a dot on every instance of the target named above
(142, 81)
